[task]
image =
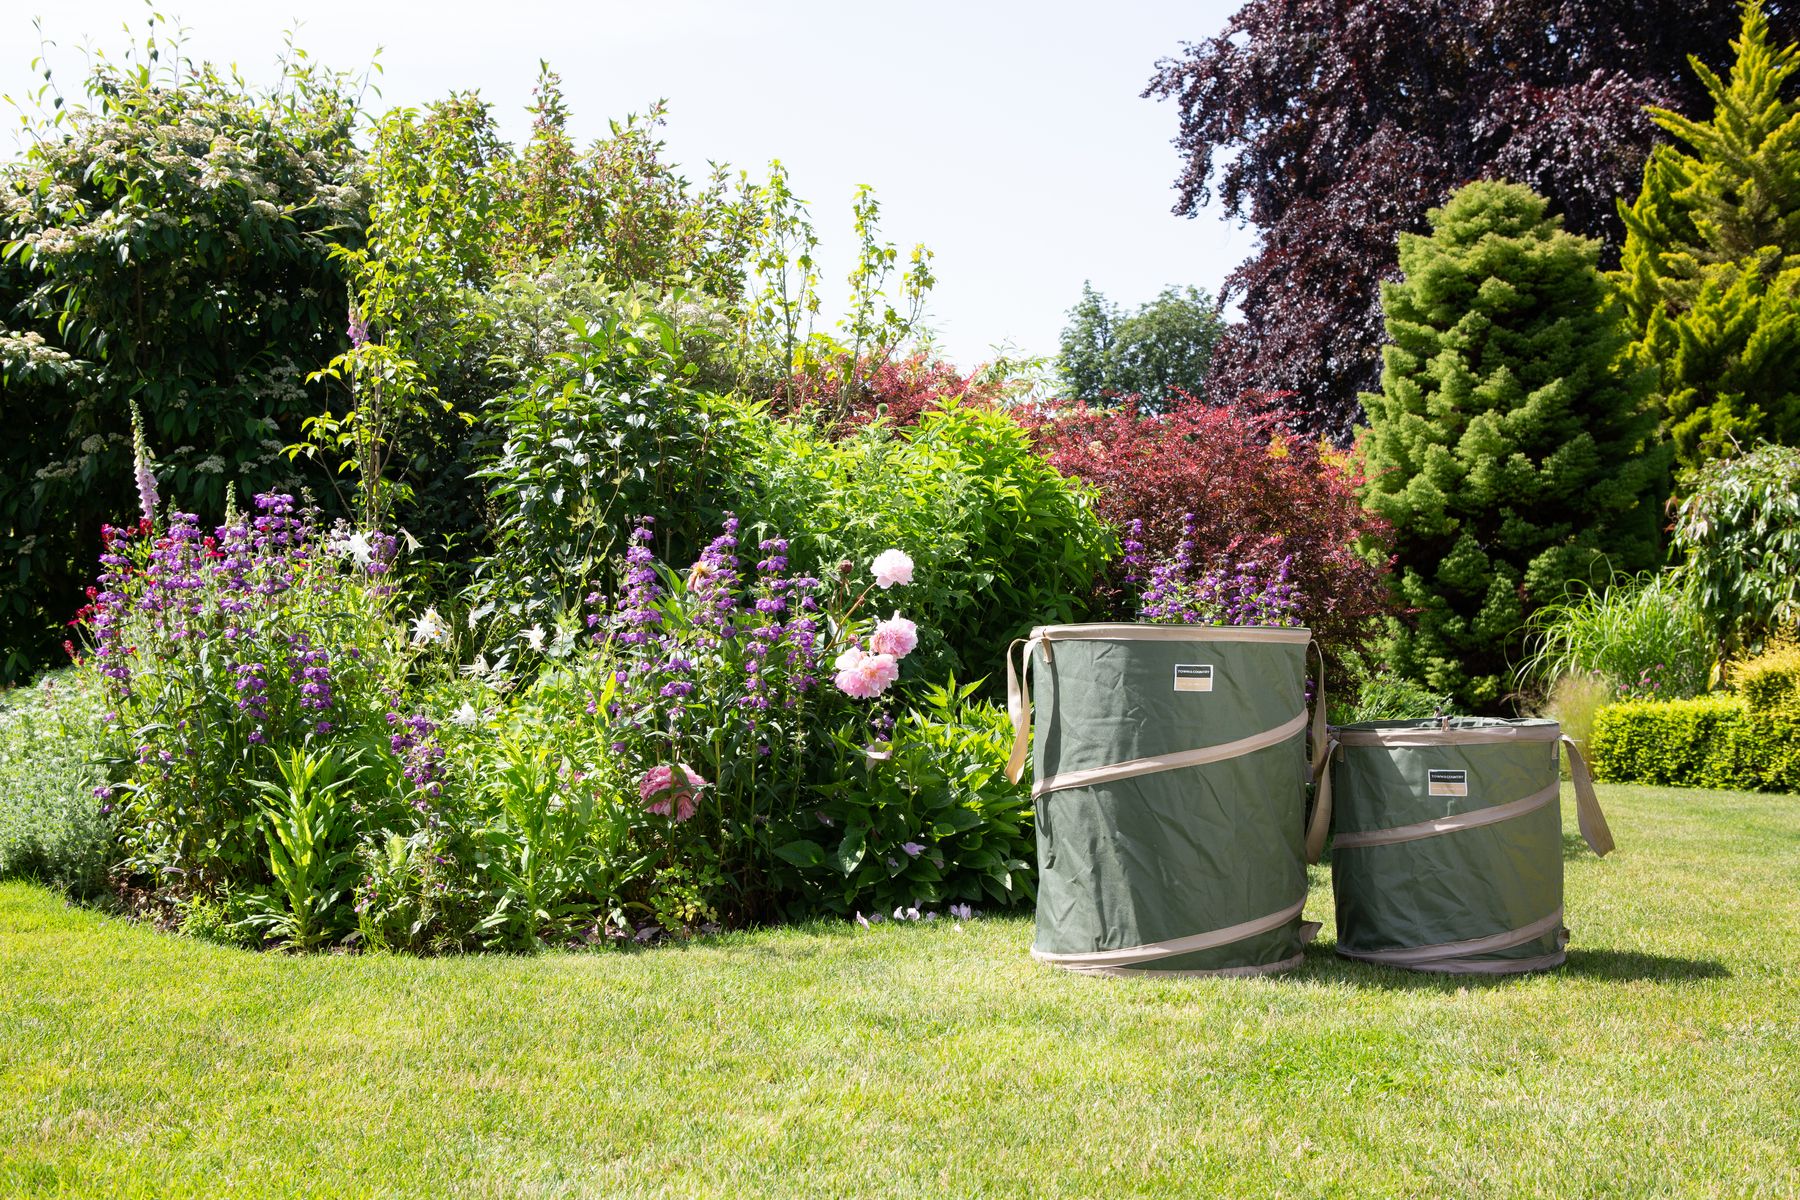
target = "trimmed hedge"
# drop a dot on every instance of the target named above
(1716, 741)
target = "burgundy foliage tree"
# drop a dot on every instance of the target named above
(1332, 126)
(1241, 490)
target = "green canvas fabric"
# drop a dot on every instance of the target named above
(1468, 883)
(1179, 852)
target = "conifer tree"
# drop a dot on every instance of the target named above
(1710, 272)
(1507, 449)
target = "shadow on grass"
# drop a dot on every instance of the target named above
(1623, 966)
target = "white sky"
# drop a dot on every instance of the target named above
(1007, 136)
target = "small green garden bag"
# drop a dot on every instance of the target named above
(1447, 850)
(1170, 781)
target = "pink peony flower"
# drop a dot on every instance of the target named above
(864, 676)
(664, 795)
(896, 636)
(891, 567)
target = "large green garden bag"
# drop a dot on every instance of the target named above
(1170, 778)
(1447, 849)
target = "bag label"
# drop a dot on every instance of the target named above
(1193, 677)
(1447, 783)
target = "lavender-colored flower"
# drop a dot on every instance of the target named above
(358, 330)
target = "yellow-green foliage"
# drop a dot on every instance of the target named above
(1710, 270)
(1748, 738)
(1770, 683)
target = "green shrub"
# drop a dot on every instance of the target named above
(1739, 533)
(1645, 636)
(1714, 741)
(609, 430)
(933, 822)
(1374, 693)
(166, 239)
(1001, 539)
(56, 823)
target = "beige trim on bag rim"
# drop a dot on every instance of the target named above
(1426, 738)
(1191, 944)
(1126, 632)
(1473, 819)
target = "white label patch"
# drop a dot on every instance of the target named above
(1193, 677)
(1447, 783)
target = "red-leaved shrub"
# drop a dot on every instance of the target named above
(901, 388)
(1255, 492)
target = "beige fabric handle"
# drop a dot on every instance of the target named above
(1131, 768)
(1151, 951)
(1320, 825)
(1473, 819)
(1018, 706)
(1594, 829)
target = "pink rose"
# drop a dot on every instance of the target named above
(891, 567)
(896, 636)
(864, 676)
(677, 799)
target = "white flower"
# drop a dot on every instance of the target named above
(478, 668)
(354, 546)
(466, 715)
(535, 637)
(478, 615)
(891, 567)
(430, 628)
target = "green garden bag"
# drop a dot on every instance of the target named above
(1447, 849)
(1170, 778)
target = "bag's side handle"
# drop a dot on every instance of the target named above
(1320, 825)
(1018, 706)
(1594, 829)
(1319, 730)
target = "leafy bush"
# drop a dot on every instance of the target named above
(1252, 493)
(1770, 682)
(1363, 691)
(843, 396)
(928, 817)
(1002, 540)
(1739, 530)
(55, 823)
(168, 240)
(610, 429)
(1644, 636)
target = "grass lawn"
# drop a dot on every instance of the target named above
(932, 1061)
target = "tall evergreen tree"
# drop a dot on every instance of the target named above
(1710, 272)
(1507, 450)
